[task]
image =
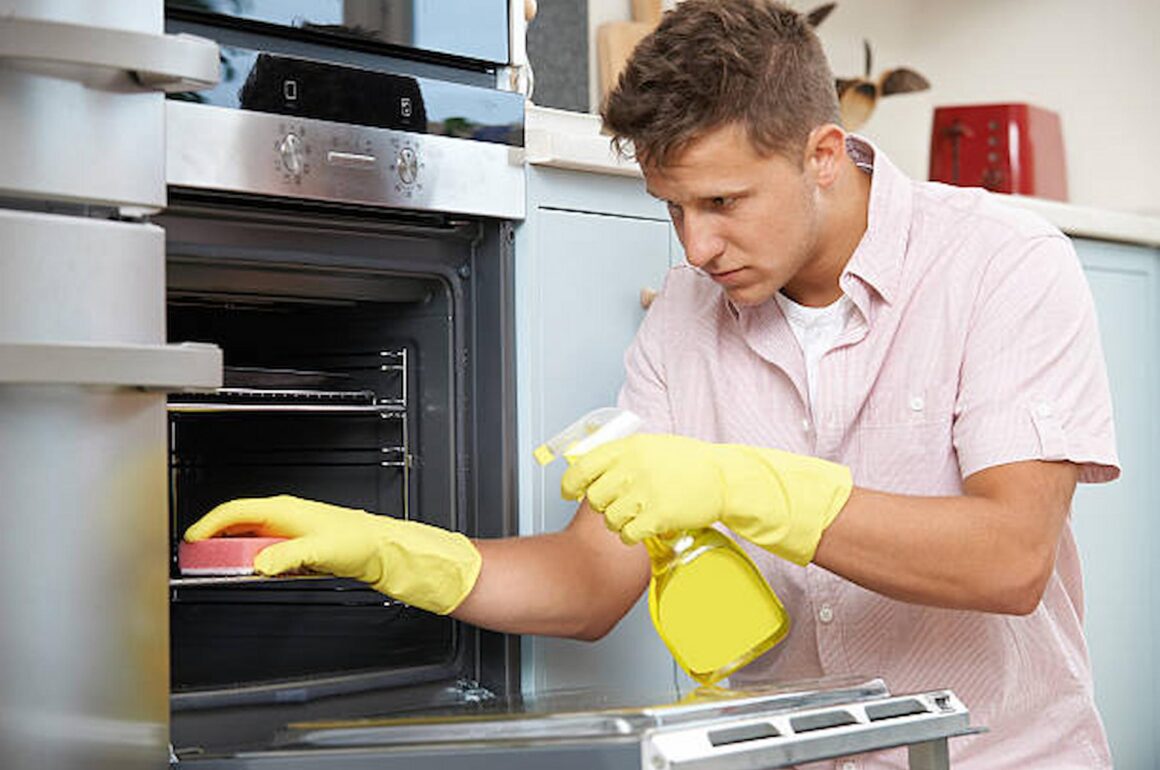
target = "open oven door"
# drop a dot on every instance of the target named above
(709, 729)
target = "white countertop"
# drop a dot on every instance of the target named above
(572, 140)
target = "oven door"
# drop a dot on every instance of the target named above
(710, 729)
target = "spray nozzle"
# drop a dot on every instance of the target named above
(590, 431)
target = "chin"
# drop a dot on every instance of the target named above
(751, 296)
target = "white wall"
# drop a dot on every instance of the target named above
(1095, 64)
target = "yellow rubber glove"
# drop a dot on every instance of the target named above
(647, 485)
(424, 566)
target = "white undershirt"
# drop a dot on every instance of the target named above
(817, 330)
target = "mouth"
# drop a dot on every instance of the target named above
(727, 276)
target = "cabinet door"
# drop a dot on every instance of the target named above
(1116, 524)
(579, 281)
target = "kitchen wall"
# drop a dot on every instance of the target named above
(1093, 63)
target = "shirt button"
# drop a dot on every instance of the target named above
(917, 403)
(826, 613)
(806, 425)
(848, 766)
(1043, 409)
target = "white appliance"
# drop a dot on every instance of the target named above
(84, 367)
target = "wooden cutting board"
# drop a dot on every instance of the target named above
(614, 42)
(647, 11)
(616, 39)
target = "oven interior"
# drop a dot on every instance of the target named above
(364, 367)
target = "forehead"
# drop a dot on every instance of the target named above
(720, 160)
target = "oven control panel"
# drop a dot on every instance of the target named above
(216, 148)
(403, 163)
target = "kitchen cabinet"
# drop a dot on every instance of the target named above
(1116, 524)
(589, 245)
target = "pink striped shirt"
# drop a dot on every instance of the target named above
(974, 343)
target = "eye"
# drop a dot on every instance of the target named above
(721, 202)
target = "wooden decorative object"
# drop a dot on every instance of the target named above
(858, 96)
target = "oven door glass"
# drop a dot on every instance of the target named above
(466, 29)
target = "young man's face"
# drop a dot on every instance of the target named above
(750, 221)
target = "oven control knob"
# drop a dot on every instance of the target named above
(407, 165)
(292, 153)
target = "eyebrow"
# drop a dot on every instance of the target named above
(738, 192)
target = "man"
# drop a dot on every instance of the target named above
(887, 390)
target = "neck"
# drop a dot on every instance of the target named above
(842, 220)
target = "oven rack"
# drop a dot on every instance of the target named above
(232, 580)
(307, 400)
(264, 400)
(242, 400)
(323, 400)
(353, 594)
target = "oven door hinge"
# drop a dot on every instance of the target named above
(471, 691)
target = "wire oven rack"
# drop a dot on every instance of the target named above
(300, 392)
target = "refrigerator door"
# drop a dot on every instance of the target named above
(83, 567)
(81, 108)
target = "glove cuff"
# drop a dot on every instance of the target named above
(425, 566)
(780, 500)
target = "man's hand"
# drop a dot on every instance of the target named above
(424, 566)
(649, 485)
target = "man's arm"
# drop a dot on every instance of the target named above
(576, 583)
(992, 549)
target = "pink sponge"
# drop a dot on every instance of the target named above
(222, 555)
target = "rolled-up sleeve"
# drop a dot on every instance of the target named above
(1033, 384)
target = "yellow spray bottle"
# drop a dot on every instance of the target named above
(709, 602)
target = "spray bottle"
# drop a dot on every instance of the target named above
(709, 602)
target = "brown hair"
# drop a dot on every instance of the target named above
(710, 63)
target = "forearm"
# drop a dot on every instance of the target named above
(576, 583)
(979, 551)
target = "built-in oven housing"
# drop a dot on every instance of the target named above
(340, 222)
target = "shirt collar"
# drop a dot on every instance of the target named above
(877, 260)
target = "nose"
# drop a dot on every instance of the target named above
(701, 241)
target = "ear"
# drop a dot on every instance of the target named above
(825, 149)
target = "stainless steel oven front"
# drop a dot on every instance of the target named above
(343, 231)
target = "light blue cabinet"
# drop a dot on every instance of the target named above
(588, 247)
(1117, 524)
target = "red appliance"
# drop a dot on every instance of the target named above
(1008, 148)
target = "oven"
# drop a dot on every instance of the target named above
(340, 224)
